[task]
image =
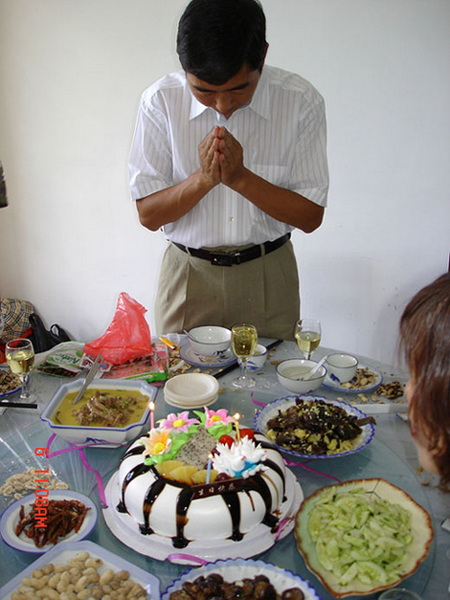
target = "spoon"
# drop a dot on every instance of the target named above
(314, 369)
(191, 336)
(89, 377)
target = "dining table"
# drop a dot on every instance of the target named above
(391, 455)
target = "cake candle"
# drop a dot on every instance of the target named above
(208, 469)
(236, 417)
(151, 407)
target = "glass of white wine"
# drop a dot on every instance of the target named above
(244, 339)
(20, 359)
(308, 334)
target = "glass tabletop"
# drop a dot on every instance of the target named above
(20, 436)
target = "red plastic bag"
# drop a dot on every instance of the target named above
(128, 335)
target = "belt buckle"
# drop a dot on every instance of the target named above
(222, 260)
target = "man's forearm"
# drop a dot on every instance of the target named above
(281, 204)
(172, 203)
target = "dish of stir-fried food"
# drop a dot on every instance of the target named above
(315, 427)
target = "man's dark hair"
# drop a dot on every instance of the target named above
(216, 38)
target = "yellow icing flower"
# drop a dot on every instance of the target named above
(158, 442)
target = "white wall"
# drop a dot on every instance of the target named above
(71, 74)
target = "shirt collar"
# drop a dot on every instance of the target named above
(259, 103)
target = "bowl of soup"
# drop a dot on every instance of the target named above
(291, 373)
(110, 413)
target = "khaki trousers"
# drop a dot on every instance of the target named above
(263, 291)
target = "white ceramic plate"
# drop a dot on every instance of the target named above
(66, 551)
(339, 387)
(191, 390)
(260, 539)
(271, 410)
(221, 360)
(10, 519)
(238, 569)
(422, 532)
(189, 404)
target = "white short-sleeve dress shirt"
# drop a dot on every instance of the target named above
(283, 135)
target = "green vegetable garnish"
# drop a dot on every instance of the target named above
(360, 536)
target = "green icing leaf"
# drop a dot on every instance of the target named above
(220, 429)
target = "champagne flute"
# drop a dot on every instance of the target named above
(244, 339)
(308, 334)
(20, 359)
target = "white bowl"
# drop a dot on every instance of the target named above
(289, 372)
(100, 436)
(341, 367)
(258, 359)
(191, 390)
(209, 339)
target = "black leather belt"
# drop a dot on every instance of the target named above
(228, 259)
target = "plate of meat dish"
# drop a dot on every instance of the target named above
(68, 516)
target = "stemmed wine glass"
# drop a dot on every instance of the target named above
(244, 339)
(20, 359)
(308, 334)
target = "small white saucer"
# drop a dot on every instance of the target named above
(341, 387)
(222, 359)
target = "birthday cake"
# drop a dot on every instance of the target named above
(201, 478)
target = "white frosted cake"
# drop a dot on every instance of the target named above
(201, 478)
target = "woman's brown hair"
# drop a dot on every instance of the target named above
(425, 342)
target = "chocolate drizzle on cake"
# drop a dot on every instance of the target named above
(183, 503)
(133, 451)
(135, 472)
(255, 483)
(268, 484)
(152, 494)
(273, 465)
(234, 506)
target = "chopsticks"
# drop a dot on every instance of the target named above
(230, 368)
(17, 405)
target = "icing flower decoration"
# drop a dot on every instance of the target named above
(158, 442)
(179, 422)
(217, 422)
(215, 417)
(242, 459)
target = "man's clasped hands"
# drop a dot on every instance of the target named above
(221, 158)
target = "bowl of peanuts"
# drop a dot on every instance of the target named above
(84, 568)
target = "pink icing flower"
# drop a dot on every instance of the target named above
(213, 417)
(179, 422)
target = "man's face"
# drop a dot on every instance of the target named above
(227, 98)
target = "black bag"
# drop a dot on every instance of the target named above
(43, 339)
